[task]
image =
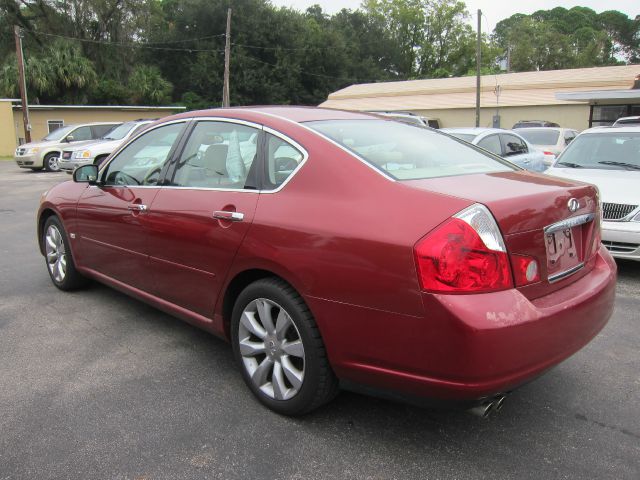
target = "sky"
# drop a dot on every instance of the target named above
(493, 10)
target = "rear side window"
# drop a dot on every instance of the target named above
(405, 152)
(513, 145)
(219, 155)
(281, 160)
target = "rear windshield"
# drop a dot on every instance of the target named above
(405, 152)
(542, 136)
(603, 151)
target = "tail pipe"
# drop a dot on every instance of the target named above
(489, 407)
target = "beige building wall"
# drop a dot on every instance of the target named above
(7, 133)
(570, 116)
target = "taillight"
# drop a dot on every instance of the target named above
(465, 254)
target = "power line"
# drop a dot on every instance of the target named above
(133, 44)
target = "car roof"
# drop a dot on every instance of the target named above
(293, 113)
(612, 129)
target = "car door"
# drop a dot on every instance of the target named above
(515, 150)
(198, 220)
(111, 217)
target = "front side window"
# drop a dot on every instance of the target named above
(281, 160)
(492, 144)
(219, 155)
(513, 145)
(405, 152)
(141, 162)
(100, 131)
(81, 134)
(603, 151)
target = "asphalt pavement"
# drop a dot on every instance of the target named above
(96, 385)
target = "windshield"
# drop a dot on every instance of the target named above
(540, 136)
(119, 132)
(405, 152)
(606, 151)
(59, 134)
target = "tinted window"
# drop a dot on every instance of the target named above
(140, 162)
(82, 133)
(218, 155)
(617, 151)
(491, 143)
(542, 136)
(282, 159)
(513, 145)
(405, 152)
(100, 131)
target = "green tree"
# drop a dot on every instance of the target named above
(148, 87)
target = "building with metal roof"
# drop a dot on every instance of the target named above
(567, 97)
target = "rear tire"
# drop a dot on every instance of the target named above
(58, 258)
(279, 350)
(51, 162)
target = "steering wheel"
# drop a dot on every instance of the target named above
(148, 178)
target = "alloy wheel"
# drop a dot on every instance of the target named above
(271, 349)
(56, 254)
(53, 164)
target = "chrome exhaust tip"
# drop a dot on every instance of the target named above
(487, 408)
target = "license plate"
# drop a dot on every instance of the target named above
(563, 250)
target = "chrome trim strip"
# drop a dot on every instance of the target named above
(569, 223)
(559, 276)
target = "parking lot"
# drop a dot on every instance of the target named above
(94, 384)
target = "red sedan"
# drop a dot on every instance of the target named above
(338, 248)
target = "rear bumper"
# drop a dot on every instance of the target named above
(622, 239)
(467, 347)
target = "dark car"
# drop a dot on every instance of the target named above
(534, 123)
(339, 248)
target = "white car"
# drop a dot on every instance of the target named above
(504, 143)
(609, 157)
(95, 151)
(550, 140)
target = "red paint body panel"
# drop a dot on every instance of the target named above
(343, 235)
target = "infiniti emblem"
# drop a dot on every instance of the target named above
(573, 204)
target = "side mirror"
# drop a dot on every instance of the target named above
(86, 174)
(68, 138)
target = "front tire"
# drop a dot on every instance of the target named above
(59, 260)
(51, 162)
(278, 348)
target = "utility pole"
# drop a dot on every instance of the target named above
(23, 84)
(227, 54)
(478, 53)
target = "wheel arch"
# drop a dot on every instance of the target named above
(42, 219)
(236, 285)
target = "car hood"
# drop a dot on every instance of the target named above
(85, 145)
(616, 186)
(40, 144)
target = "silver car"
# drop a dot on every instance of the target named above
(609, 157)
(504, 143)
(96, 151)
(46, 152)
(550, 140)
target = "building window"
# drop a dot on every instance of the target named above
(54, 124)
(605, 115)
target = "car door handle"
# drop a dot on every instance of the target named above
(137, 207)
(227, 215)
